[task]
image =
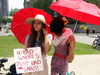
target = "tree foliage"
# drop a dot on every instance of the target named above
(42, 4)
(13, 11)
(5, 20)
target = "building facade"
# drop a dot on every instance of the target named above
(4, 8)
(28, 3)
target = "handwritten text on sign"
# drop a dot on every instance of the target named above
(28, 61)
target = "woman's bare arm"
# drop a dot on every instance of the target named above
(47, 42)
(71, 48)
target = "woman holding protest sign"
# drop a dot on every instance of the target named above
(39, 37)
(64, 44)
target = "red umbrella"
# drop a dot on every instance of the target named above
(18, 26)
(77, 9)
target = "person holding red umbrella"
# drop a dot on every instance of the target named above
(64, 44)
(39, 37)
(19, 26)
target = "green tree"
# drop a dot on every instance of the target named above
(5, 20)
(42, 4)
(13, 11)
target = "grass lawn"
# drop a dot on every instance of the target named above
(8, 43)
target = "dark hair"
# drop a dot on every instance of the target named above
(57, 25)
(33, 36)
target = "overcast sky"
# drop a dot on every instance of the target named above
(15, 4)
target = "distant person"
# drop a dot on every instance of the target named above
(77, 29)
(6, 28)
(0, 27)
(87, 31)
(93, 30)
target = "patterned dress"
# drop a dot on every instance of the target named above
(60, 64)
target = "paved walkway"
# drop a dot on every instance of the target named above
(2, 33)
(82, 64)
(83, 38)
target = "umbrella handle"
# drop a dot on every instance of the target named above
(75, 26)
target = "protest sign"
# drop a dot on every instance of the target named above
(28, 61)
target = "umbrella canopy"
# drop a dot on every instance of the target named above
(19, 27)
(77, 9)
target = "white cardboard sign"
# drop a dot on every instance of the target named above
(28, 61)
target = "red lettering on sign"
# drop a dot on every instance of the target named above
(24, 63)
(26, 57)
(31, 68)
(35, 62)
(19, 52)
(20, 58)
(30, 51)
(37, 56)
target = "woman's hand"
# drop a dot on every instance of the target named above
(45, 31)
(25, 48)
(71, 41)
